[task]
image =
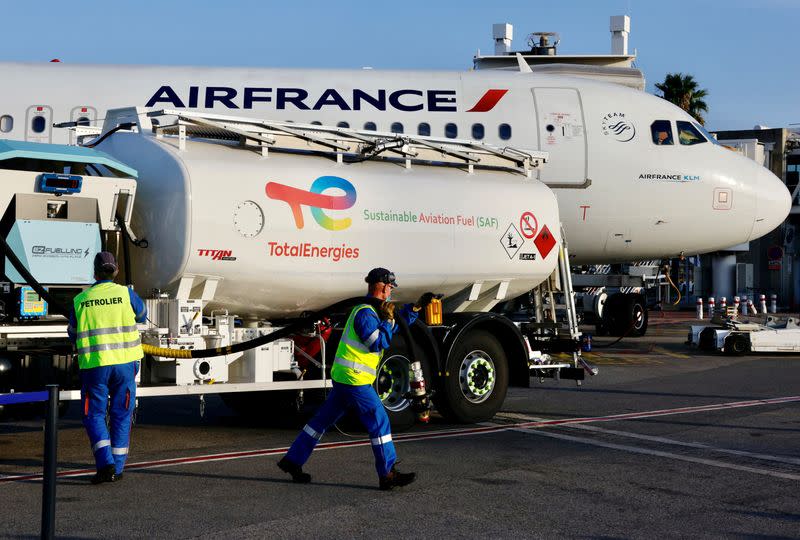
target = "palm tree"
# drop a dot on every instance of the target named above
(683, 91)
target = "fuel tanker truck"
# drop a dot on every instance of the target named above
(248, 237)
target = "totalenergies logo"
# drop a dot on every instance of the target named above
(314, 198)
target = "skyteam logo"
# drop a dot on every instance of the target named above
(618, 127)
(317, 201)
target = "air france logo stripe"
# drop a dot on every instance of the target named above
(489, 100)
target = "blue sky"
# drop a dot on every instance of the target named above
(743, 52)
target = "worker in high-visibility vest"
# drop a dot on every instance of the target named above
(103, 326)
(367, 333)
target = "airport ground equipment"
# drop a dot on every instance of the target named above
(761, 334)
(245, 226)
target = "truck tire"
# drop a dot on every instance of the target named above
(626, 315)
(393, 382)
(636, 309)
(476, 379)
(736, 345)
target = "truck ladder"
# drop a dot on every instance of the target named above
(546, 310)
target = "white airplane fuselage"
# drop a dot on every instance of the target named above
(621, 196)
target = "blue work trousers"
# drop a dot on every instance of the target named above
(365, 401)
(98, 384)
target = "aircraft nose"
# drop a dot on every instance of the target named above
(774, 202)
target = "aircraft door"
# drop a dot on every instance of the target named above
(83, 116)
(562, 133)
(39, 123)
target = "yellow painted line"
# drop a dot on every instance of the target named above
(661, 350)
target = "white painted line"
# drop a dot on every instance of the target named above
(701, 446)
(663, 440)
(659, 453)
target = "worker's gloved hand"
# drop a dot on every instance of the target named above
(424, 300)
(387, 311)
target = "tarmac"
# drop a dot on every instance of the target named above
(665, 442)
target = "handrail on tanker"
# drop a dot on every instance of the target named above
(344, 144)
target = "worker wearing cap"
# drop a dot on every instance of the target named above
(103, 326)
(367, 333)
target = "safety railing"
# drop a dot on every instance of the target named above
(50, 465)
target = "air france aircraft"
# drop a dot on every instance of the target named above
(636, 178)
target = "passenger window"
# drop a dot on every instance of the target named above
(504, 131)
(424, 129)
(343, 125)
(314, 123)
(662, 132)
(450, 131)
(370, 126)
(38, 124)
(477, 131)
(6, 123)
(688, 134)
(397, 127)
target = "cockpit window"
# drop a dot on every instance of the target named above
(708, 136)
(662, 132)
(688, 134)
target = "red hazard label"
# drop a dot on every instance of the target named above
(545, 241)
(528, 225)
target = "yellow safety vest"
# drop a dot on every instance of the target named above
(106, 327)
(354, 363)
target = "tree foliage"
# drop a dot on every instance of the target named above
(683, 91)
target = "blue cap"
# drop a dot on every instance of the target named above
(105, 262)
(381, 275)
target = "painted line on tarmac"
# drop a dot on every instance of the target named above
(699, 446)
(665, 440)
(410, 437)
(660, 453)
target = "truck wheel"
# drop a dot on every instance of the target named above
(736, 345)
(476, 382)
(636, 309)
(393, 383)
(626, 314)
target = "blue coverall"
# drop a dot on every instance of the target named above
(364, 399)
(118, 382)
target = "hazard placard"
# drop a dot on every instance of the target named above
(528, 225)
(545, 241)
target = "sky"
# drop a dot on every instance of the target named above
(744, 53)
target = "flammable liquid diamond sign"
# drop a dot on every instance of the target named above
(545, 241)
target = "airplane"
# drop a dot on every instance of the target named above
(636, 178)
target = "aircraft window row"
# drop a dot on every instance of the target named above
(6, 123)
(689, 133)
(424, 129)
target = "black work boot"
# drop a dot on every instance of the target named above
(396, 478)
(106, 474)
(298, 476)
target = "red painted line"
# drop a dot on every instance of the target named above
(410, 437)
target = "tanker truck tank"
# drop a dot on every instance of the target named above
(284, 233)
(268, 221)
